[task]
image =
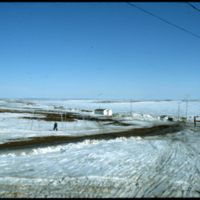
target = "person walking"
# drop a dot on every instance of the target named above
(55, 127)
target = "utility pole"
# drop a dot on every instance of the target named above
(178, 110)
(131, 106)
(100, 94)
(186, 106)
(32, 119)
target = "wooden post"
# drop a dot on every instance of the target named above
(194, 120)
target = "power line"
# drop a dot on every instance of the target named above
(164, 20)
(194, 7)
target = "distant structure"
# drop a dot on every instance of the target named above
(165, 117)
(104, 112)
(195, 120)
(58, 107)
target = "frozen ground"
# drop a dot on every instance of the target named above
(142, 107)
(156, 166)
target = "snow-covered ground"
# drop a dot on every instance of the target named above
(156, 166)
(12, 125)
(142, 107)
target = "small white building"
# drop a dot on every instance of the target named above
(105, 112)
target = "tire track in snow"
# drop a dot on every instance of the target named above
(172, 172)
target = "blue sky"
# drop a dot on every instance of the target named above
(98, 50)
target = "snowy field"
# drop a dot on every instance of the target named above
(154, 166)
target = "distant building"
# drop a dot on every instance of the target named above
(165, 117)
(105, 112)
(58, 107)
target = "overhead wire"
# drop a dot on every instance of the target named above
(194, 7)
(164, 20)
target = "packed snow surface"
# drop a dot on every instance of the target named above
(154, 166)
